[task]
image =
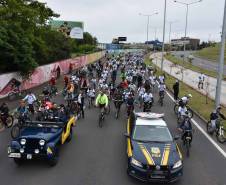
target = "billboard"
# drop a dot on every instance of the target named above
(69, 28)
(122, 38)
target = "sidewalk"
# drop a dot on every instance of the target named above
(190, 78)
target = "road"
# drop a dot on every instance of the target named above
(191, 78)
(205, 64)
(98, 156)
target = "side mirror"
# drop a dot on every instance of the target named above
(126, 135)
(176, 137)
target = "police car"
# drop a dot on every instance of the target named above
(153, 154)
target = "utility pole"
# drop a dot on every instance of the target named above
(186, 24)
(148, 22)
(163, 40)
(221, 61)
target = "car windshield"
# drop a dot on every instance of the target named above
(149, 133)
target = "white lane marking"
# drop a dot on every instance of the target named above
(204, 133)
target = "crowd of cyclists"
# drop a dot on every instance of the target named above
(121, 79)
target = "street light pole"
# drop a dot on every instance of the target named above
(163, 39)
(148, 22)
(221, 61)
(186, 24)
(170, 22)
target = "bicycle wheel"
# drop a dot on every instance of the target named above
(209, 128)
(190, 113)
(187, 148)
(100, 122)
(117, 113)
(176, 108)
(9, 121)
(220, 136)
(161, 102)
(11, 96)
(15, 132)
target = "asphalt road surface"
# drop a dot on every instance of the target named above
(205, 64)
(97, 156)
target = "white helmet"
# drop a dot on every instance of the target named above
(189, 96)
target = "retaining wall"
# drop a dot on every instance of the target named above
(44, 73)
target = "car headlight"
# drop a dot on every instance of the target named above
(23, 141)
(177, 164)
(136, 163)
(42, 142)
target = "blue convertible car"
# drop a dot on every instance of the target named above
(153, 155)
(40, 140)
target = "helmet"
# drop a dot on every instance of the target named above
(189, 96)
(219, 107)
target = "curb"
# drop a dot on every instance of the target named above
(196, 113)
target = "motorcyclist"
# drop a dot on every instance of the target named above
(214, 116)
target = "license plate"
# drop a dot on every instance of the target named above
(157, 177)
(15, 155)
(29, 156)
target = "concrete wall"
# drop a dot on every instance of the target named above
(43, 74)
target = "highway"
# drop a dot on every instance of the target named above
(199, 62)
(97, 156)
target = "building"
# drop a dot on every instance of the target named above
(191, 43)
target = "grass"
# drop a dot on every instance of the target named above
(210, 53)
(188, 65)
(198, 101)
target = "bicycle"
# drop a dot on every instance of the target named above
(22, 118)
(118, 104)
(221, 134)
(101, 117)
(161, 97)
(176, 107)
(187, 139)
(6, 121)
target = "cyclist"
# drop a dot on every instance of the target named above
(70, 91)
(91, 95)
(161, 78)
(23, 111)
(184, 100)
(81, 100)
(30, 98)
(4, 112)
(141, 92)
(102, 100)
(130, 103)
(185, 125)
(214, 116)
(148, 100)
(118, 98)
(52, 84)
(162, 88)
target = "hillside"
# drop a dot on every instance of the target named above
(210, 53)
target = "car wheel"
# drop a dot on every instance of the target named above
(55, 158)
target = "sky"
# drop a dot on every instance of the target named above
(107, 19)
